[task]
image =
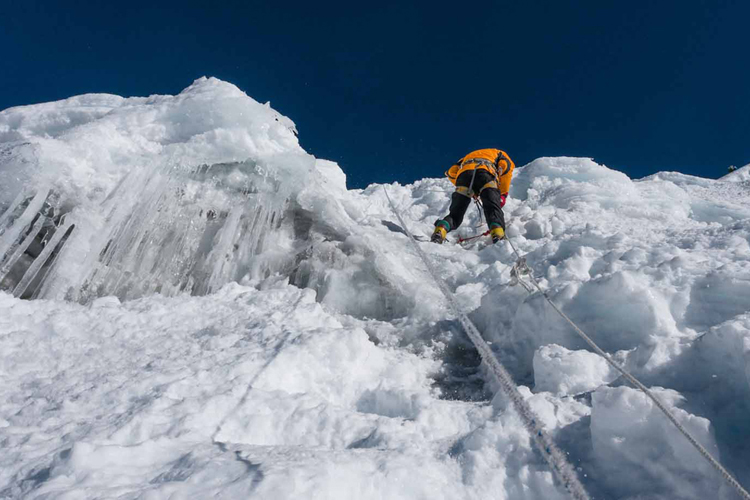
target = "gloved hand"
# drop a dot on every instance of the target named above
(502, 199)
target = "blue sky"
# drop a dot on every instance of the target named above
(398, 91)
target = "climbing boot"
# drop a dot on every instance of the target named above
(497, 234)
(440, 232)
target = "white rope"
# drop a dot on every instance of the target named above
(551, 453)
(637, 383)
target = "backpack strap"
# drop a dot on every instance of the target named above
(501, 156)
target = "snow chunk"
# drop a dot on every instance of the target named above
(625, 312)
(568, 182)
(564, 372)
(639, 452)
(718, 297)
(331, 174)
(54, 118)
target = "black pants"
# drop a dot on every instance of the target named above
(491, 201)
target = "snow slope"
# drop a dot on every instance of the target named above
(225, 319)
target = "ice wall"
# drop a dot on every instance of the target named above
(102, 195)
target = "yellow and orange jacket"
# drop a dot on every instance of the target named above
(495, 161)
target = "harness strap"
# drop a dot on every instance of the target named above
(495, 166)
(480, 161)
(502, 156)
(468, 192)
(491, 184)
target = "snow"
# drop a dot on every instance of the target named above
(636, 449)
(739, 175)
(226, 319)
(564, 372)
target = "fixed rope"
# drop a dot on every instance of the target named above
(554, 457)
(480, 208)
(636, 383)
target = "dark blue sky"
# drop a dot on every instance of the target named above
(398, 91)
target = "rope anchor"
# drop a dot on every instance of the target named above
(519, 270)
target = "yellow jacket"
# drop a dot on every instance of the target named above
(497, 162)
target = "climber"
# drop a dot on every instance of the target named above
(483, 174)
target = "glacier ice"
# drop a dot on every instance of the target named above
(173, 194)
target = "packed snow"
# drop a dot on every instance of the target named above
(192, 306)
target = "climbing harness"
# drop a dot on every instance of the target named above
(479, 206)
(522, 268)
(517, 273)
(554, 457)
(493, 167)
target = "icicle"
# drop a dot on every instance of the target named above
(5, 218)
(11, 236)
(21, 247)
(168, 230)
(36, 266)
